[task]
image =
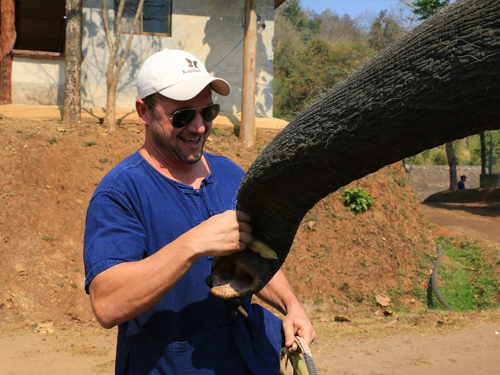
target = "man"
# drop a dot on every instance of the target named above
(461, 183)
(153, 226)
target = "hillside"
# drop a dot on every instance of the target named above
(339, 260)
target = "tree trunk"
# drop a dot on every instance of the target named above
(73, 53)
(490, 169)
(247, 126)
(438, 83)
(114, 64)
(109, 116)
(7, 41)
(452, 163)
(483, 153)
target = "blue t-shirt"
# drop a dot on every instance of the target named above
(461, 185)
(134, 212)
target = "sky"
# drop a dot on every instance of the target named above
(352, 7)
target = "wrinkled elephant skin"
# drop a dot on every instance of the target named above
(438, 83)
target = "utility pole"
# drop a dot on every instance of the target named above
(247, 126)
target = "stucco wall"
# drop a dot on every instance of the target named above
(38, 81)
(211, 30)
(426, 180)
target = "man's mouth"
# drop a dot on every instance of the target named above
(193, 141)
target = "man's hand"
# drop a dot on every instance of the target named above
(278, 293)
(222, 234)
(297, 323)
(119, 294)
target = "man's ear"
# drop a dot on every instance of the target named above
(143, 111)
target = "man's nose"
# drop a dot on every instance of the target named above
(197, 125)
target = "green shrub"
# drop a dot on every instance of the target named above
(357, 200)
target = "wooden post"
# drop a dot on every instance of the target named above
(7, 41)
(247, 126)
(73, 53)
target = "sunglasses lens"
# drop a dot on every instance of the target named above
(210, 113)
(185, 116)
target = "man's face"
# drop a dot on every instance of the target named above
(184, 145)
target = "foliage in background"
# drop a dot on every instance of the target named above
(426, 8)
(384, 31)
(467, 150)
(314, 51)
(357, 200)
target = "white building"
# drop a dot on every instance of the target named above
(212, 30)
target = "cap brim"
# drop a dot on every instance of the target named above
(189, 88)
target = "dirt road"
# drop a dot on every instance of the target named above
(479, 220)
(467, 351)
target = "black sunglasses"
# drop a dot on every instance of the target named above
(183, 117)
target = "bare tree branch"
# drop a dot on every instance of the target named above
(106, 25)
(408, 4)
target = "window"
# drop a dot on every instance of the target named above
(154, 19)
(40, 25)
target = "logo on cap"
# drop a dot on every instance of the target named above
(191, 64)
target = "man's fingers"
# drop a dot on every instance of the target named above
(246, 238)
(245, 227)
(243, 216)
(289, 339)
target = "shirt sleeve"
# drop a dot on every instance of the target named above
(113, 234)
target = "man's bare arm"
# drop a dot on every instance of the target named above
(279, 294)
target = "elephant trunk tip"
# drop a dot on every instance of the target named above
(233, 278)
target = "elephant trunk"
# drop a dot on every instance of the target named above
(439, 83)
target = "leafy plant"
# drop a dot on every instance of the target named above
(357, 200)
(90, 143)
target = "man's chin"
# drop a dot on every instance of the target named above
(191, 159)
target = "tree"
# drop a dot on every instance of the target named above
(483, 153)
(384, 31)
(73, 53)
(307, 23)
(427, 8)
(7, 41)
(306, 68)
(452, 163)
(116, 60)
(339, 29)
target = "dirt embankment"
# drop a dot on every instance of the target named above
(338, 263)
(339, 259)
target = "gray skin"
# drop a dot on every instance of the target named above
(439, 83)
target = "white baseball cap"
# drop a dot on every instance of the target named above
(177, 75)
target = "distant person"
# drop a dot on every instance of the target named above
(461, 183)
